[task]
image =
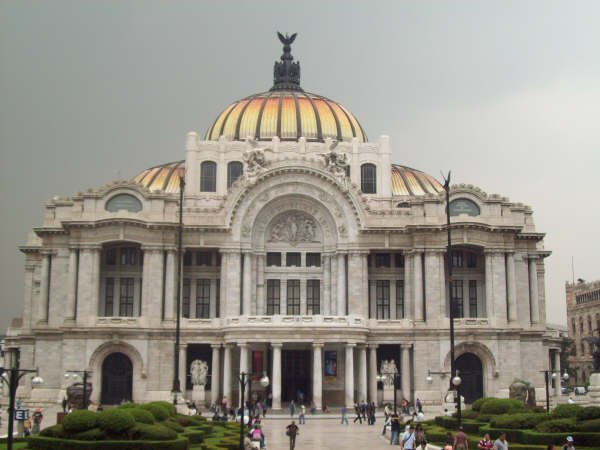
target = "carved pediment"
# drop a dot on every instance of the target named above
(294, 227)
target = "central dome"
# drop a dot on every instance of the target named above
(286, 111)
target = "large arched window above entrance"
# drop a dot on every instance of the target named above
(125, 202)
(464, 206)
(235, 169)
(368, 178)
(208, 176)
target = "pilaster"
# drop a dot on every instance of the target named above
(349, 375)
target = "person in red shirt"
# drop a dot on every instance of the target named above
(461, 442)
(486, 443)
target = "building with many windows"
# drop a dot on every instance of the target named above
(308, 255)
(583, 320)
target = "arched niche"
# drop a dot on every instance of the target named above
(486, 357)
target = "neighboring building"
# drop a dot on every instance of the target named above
(583, 319)
(295, 264)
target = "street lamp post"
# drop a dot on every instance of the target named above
(547, 375)
(176, 385)
(395, 376)
(246, 379)
(84, 375)
(12, 380)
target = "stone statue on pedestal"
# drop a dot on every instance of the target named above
(198, 375)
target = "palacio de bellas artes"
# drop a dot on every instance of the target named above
(307, 255)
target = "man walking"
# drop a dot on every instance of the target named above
(292, 431)
(500, 443)
(357, 412)
(408, 438)
(344, 415)
(395, 428)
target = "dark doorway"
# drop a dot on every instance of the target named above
(117, 375)
(471, 372)
(202, 352)
(295, 374)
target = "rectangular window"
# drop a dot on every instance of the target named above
(313, 260)
(457, 297)
(186, 298)
(399, 260)
(399, 299)
(234, 171)
(471, 259)
(274, 259)
(218, 299)
(208, 176)
(188, 258)
(111, 256)
(313, 297)
(109, 296)
(273, 297)
(457, 259)
(293, 298)
(382, 260)
(129, 256)
(472, 298)
(218, 259)
(292, 259)
(126, 297)
(382, 298)
(202, 299)
(203, 258)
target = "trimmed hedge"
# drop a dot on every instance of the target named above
(159, 411)
(155, 432)
(556, 425)
(95, 434)
(80, 420)
(531, 437)
(141, 415)
(55, 431)
(501, 406)
(518, 421)
(115, 421)
(566, 411)
(47, 443)
(173, 425)
(476, 405)
(589, 413)
(589, 425)
(194, 436)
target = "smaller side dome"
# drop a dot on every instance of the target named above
(164, 177)
(412, 182)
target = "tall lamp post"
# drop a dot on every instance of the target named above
(245, 380)
(547, 375)
(176, 385)
(83, 374)
(11, 377)
(393, 377)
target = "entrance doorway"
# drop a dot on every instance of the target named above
(295, 375)
(471, 372)
(117, 375)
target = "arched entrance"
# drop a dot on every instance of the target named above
(471, 372)
(117, 377)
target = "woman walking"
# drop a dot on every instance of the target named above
(292, 431)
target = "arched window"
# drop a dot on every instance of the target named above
(464, 206)
(125, 202)
(208, 176)
(368, 178)
(235, 169)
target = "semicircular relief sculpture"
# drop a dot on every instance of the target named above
(293, 227)
(125, 202)
(464, 206)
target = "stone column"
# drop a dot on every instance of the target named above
(533, 290)
(408, 300)
(214, 373)
(233, 281)
(362, 373)
(223, 284)
(152, 279)
(341, 284)
(326, 285)
(511, 286)
(357, 287)
(349, 375)
(260, 285)
(243, 368)
(489, 285)
(333, 278)
(88, 287)
(406, 373)
(418, 285)
(182, 367)
(170, 284)
(558, 379)
(247, 284)
(373, 373)
(433, 286)
(72, 284)
(276, 389)
(42, 312)
(318, 374)
(227, 374)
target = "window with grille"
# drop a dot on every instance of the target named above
(126, 297)
(109, 296)
(111, 257)
(382, 260)
(382, 299)
(293, 297)
(471, 260)
(457, 259)
(472, 298)
(274, 259)
(399, 260)
(292, 259)
(399, 299)
(129, 256)
(235, 169)
(203, 258)
(456, 290)
(202, 299)
(186, 298)
(368, 178)
(313, 297)
(273, 297)
(208, 176)
(313, 260)
(188, 258)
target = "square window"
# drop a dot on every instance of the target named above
(457, 259)
(292, 259)
(274, 259)
(382, 260)
(313, 260)
(203, 258)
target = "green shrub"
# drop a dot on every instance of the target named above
(589, 413)
(55, 431)
(170, 407)
(128, 405)
(501, 406)
(173, 426)
(80, 420)
(476, 405)
(95, 434)
(589, 425)
(566, 411)
(159, 412)
(518, 420)
(195, 437)
(470, 414)
(556, 425)
(115, 421)
(141, 415)
(446, 422)
(48, 443)
(156, 432)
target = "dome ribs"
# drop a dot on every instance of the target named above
(298, 118)
(335, 117)
(259, 118)
(317, 117)
(239, 120)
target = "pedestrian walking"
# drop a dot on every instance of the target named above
(64, 404)
(419, 405)
(37, 421)
(292, 409)
(292, 432)
(485, 443)
(395, 429)
(501, 443)
(386, 421)
(357, 412)
(27, 427)
(420, 438)
(449, 441)
(302, 415)
(344, 415)
(461, 442)
(568, 444)
(408, 438)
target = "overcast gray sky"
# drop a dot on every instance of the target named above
(505, 93)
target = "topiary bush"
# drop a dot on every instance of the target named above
(159, 412)
(589, 425)
(556, 425)
(589, 413)
(518, 420)
(141, 415)
(470, 414)
(501, 406)
(115, 421)
(476, 405)
(173, 425)
(170, 407)
(128, 405)
(156, 432)
(80, 420)
(55, 431)
(95, 434)
(565, 411)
